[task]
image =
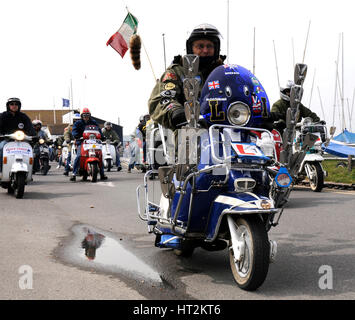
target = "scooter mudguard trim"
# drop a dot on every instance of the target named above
(239, 203)
(93, 159)
(19, 167)
(313, 157)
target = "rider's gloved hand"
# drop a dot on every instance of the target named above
(203, 123)
(322, 122)
(178, 118)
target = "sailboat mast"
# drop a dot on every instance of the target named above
(342, 74)
(227, 31)
(336, 80)
(254, 53)
(305, 47)
(321, 104)
(310, 99)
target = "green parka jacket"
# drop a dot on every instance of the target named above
(168, 94)
(281, 107)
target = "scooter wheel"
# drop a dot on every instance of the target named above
(94, 170)
(317, 182)
(250, 270)
(20, 186)
(109, 165)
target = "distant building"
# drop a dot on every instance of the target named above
(57, 120)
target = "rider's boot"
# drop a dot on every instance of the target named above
(103, 177)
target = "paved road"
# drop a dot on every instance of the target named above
(43, 234)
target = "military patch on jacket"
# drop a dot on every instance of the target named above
(170, 106)
(169, 86)
(165, 101)
(168, 94)
(170, 76)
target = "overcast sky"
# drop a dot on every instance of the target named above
(47, 45)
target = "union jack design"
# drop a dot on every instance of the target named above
(256, 104)
(213, 85)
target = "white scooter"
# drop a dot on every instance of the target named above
(65, 153)
(108, 154)
(17, 163)
(311, 166)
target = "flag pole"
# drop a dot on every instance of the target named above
(54, 118)
(277, 69)
(293, 54)
(164, 51)
(145, 50)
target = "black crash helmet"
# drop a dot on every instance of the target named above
(208, 32)
(17, 100)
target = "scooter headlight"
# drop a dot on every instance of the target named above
(41, 141)
(19, 135)
(238, 114)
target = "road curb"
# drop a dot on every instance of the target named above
(335, 185)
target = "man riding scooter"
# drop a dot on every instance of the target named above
(78, 130)
(12, 120)
(111, 135)
(68, 137)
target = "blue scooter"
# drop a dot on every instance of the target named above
(226, 190)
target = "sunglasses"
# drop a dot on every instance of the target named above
(14, 104)
(202, 46)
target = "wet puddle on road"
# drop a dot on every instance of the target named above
(96, 249)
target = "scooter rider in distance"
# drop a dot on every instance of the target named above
(37, 125)
(78, 130)
(279, 109)
(111, 135)
(12, 120)
(68, 137)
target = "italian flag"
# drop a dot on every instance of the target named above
(120, 40)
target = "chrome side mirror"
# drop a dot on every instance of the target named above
(300, 73)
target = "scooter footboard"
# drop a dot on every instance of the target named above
(236, 204)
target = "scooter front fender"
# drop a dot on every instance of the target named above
(312, 157)
(236, 204)
(91, 160)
